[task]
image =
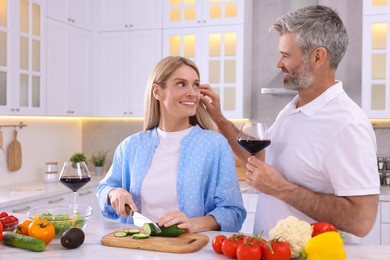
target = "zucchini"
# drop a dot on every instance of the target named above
(172, 231)
(140, 236)
(23, 241)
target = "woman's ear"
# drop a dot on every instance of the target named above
(156, 91)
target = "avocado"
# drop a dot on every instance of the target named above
(72, 238)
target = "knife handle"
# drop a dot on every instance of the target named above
(129, 211)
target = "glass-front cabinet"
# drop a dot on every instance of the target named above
(222, 52)
(21, 57)
(376, 58)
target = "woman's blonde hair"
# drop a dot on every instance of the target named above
(160, 74)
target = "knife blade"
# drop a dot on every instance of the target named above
(139, 219)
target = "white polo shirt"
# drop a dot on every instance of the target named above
(327, 146)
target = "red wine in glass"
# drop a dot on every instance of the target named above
(254, 146)
(74, 183)
(74, 176)
(252, 137)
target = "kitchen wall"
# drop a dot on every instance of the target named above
(43, 140)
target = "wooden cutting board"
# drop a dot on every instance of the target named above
(186, 243)
(14, 154)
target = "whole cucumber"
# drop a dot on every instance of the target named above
(23, 241)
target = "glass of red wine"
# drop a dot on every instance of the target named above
(253, 138)
(74, 176)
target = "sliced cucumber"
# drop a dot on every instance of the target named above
(120, 234)
(132, 231)
(140, 236)
(172, 231)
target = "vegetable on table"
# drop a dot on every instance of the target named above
(1, 231)
(42, 229)
(296, 233)
(72, 238)
(321, 227)
(278, 250)
(23, 241)
(327, 245)
(172, 231)
(217, 243)
(249, 250)
(22, 228)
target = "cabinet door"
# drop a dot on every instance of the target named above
(86, 196)
(21, 208)
(113, 74)
(65, 198)
(145, 52)
(21, 75)
(376, 66)
(73, 12)
(124, 67)
(203, 13)
(68, 70)
(118, 15)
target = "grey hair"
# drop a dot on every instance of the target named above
(316, 26)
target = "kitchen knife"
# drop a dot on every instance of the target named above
(139, 219)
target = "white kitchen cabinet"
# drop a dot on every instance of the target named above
(250, 202)
(222, 56)
(385, 222)
(68, 70)
(376, 59)
(124, 15)
(21, 208)
(182, 13)
(87, 196)
(73, 12)
(385, 234)
(125, 61)
(65, 198)
(22, 50)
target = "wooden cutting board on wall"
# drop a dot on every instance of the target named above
(186, 243)
(14, 154)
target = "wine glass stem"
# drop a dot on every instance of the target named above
(75, 198)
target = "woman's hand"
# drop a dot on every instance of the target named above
(170, 218)
(118, 198)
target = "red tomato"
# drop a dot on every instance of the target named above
(281, 250)
(229, 247)
(249, 252)
(3, 214)
(263, 244)
(217, 243)
(321, 227)
(1, 232)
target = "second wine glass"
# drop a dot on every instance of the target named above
(74, 176)
(253, 138)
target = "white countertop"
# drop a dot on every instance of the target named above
(92, 248)
(34, 190)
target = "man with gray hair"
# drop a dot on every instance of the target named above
(321, 164)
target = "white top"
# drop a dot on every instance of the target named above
(162, 173)
(327, 146)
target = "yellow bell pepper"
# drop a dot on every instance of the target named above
(325, 246)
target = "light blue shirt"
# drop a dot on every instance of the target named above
(206, 184)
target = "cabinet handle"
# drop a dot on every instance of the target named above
(69, 19)
(55, 201)
(85, 193)
(21, 210)
(126, 26)
(73, 20)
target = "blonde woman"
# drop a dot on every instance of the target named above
(178, 170)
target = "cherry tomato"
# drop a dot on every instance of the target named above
(217, 243)
(3, 214)
(281, 251)
(248, 251)
(321, 227)
(263, 244)
(1, 231)
(42, 229)
(229, 247)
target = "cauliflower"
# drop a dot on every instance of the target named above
(294, 232)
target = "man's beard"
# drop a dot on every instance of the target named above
(300, 78)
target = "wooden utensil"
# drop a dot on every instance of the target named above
(186, 243)
(14, 154)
